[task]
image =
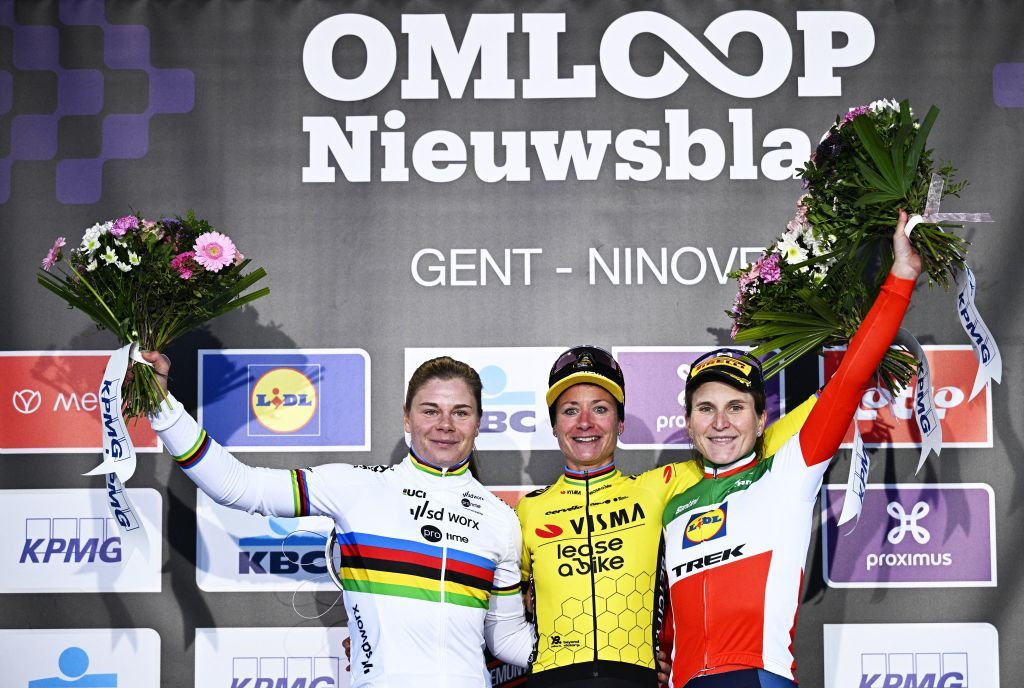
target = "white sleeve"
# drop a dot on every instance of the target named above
(510, 637)
(223, 478)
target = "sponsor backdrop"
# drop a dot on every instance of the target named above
(500, 183)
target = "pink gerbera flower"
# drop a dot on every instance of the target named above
(123, 224)
(53, 255)
(214, 251)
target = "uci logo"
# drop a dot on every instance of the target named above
(284, 400)
(705, 526)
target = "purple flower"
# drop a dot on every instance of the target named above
(123, 224)
(855, 112)
(53, 255)
(770, 270)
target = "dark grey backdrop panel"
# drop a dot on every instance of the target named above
(339, 253)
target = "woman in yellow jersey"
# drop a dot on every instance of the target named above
(592, 540)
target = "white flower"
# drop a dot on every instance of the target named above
(791, 250)
(90, 244)
(119, 243)
(109, 256)
(123, 267)
(91, 266)
(133, 258)
(106, 227)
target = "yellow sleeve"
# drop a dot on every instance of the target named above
(526, 561)
(672, 479)
(776, 434)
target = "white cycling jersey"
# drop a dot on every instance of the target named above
(429, 557)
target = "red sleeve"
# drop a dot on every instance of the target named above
(827, 423)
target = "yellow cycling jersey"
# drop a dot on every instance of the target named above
(591, 552)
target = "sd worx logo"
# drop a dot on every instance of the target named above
(26, 401)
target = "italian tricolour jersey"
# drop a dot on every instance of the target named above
(735, 549)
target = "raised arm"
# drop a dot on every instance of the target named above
(213, 469)
(829, 419)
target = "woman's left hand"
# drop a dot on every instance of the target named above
(906, 260)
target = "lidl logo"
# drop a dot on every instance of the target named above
(49, 404)
(284, 400)
(705, 526)
(280, 399)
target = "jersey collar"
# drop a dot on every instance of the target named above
(590, 477)
(712, 470)
(430, 469)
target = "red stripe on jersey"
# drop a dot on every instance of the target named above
(371, 552)
(727, 624)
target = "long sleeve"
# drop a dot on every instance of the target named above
(829, 419)
(510, 637)
(223, 478)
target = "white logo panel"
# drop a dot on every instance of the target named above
(67, 541)
(95, 657)
(515, 379)
(953, 655)
(258, 657)
(239, 551)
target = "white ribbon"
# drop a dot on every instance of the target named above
(990, 363)
(119, 455)
(860, 463)
(928, 425)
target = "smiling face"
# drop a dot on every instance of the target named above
(723, 422)
(586, 424)
(443, 421)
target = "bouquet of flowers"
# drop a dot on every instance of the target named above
(814, 284)
(150, 281)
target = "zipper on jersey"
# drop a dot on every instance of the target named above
(590, 546)
(443, 606)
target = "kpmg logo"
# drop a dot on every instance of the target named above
(70, 541)
(239, 551)
(912, 536)
(79, 94)
(280, 399)
(514, 414)
(656, 377)
(54, 405)
(887, 421)
(917, 670)
(899, 655)
(26, 401)
(67, 541)
(285, 672)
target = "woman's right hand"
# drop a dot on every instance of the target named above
(161, 367)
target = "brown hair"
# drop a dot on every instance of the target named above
(445, 368)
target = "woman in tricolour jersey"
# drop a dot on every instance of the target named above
(736, 541)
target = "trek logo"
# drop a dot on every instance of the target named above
(409, 492)
(585, 559)
(93, 540)
(364, 641)
(708, 525)
(709, 560)
(608, 520)
(549, 530)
